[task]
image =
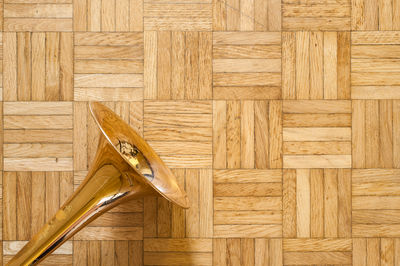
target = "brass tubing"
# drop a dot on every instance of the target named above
(125, 167)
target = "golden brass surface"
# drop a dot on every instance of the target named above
(125, 167)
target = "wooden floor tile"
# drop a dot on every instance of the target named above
(317, 203)
(108, 16)
(38, 136)
(108, 66)
(315, 65)
(39, 66)
(316, 134)
(246, 65)
(258, 15)
(177, 65)
(375, 58)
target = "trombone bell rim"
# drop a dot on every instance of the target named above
(141, 157)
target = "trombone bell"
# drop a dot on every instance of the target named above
(125, 167)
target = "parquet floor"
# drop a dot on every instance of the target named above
(280, 118)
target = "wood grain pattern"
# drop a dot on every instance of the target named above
(316, 15)
(317, 203)
(315, 65)
(281, 119)
(374, 65)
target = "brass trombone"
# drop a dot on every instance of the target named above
(125, 167)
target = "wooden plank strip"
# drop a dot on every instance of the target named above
(311, 258)
(108, 15)
(37, 108)
(111, 233)
(229, 51)
(109, 38)
(373, 251)
(317, 148)
(247, 150)
(247, 217)
(38, 66)
(10, 206)
(219, 134)
(108, 80)
(38, 201)
(246, 92)
(315, 23)
(331, 202)
(396, 132)
(233, 134)
(192, 215)
(303, 203)
(385, 134)
(248, 203)
(375, 37)
(192, 65)
(289, 65)
(302, 65)
(206, 203)
(37, 150)
(42, 136)
(38, 24)
(317, 202)
(66, 66)
(261, 134)
(371, 133)
(344, 203)
(317, 161)
(136, 15)
(38, 122)
(317, 106)
(52, 66)
(178, 65)
(275, 134)
(108, 94)
(246, 65)
(184, 120)
(317, 134)
(375, 202)
(38, 10)
(343, 65)
(108, 52)
(247, 79)
(317, 120)
(38, 164)
(289, 203)
(317, 65)
(359, 134)
(375, 92)
(24, 77)
(205, 65)
(330, 65)
(178, 222)
(249, 231)
(164, 65)
(80, 15)
(359, 252)
(247, 189)
(324, 244)
(246, 38)
(178, 245)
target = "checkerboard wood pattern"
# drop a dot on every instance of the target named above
(280, 119)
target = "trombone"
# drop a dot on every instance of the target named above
(125, 167)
